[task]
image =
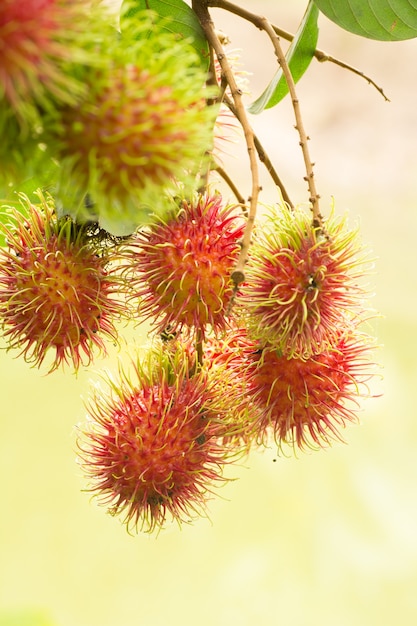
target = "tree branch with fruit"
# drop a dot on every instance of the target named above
(110, 170)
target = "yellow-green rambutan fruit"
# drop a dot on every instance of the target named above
(142, 127)
(46, 48)
(40, 42)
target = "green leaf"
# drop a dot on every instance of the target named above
(386, 20)
(299, 56)
(178, 18)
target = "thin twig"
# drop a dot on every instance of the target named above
(320, 55)
(222, 172)
(314, 196)
(200, 9)
(264, 158)
(323, 56)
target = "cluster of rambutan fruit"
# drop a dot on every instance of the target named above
(279, 358)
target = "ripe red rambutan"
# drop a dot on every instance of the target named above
(58, 290)
(301, 280)
(305, 402)
(152, 448)
(181, 267)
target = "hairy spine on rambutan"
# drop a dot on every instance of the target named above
(47, 51)
(304, 402)
(180, 268)
(42, 42)
(59, 290)
(152, 448)
(302, 280)
(142, 126)
(216, 354)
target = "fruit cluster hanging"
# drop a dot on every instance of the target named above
(109, 168)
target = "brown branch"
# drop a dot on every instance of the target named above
(264, 158)
(320, 55)
(314, 196)
(200, 9)
(323, 56)
(222, 172)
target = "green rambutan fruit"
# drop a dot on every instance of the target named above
(301, 280)
(40, 41)
(46, 50)
(59, 291)
(180, 268)
(142, 127)
(152, 448)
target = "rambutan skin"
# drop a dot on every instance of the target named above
(305, 402)
(39, 42)
(301, 280)
(57, 291)
(181, 267)
(152, 448)
(142, 126)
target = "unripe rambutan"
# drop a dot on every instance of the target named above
(301, 280)
(20, 154)
(181, 267)
(143, 126)
(304, 403)
(39, 42)
(58, 290)
(152, 448)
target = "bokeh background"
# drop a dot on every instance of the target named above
(328, 538)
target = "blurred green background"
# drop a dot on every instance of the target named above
(327, 538)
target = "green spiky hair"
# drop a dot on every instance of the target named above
(142, 129)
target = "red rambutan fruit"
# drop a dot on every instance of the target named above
(305, 402)
(152, 448)
(301, 280)
(181, 267)
(58, 290)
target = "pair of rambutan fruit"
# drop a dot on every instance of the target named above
(281, 358)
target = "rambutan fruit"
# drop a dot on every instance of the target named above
(152, 448)
(301, 280)
(305, 402)
(216, 354)
(142, 126)
(20, 154)
(58, 289)
(181, 267)
(40, 40)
